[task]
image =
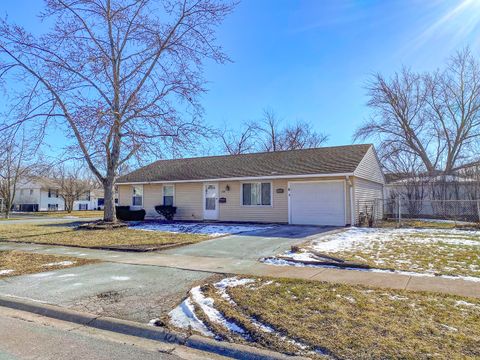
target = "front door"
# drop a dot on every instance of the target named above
(210, 203)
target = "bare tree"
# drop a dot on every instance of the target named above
(124, 76)
(435, 117)
(72, 184)
(15, 165)
(244, 141)
(300, 135)
(270, 134)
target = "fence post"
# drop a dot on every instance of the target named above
(399, 212)
(478, 210)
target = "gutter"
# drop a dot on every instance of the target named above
(272, 177)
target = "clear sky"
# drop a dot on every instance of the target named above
(310, 59)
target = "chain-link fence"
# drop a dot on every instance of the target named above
(456, 210)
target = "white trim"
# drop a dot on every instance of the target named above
(352, 205)
(131, 196)
(273, 177)
(256, 182)
(314, 181)
(163, 193)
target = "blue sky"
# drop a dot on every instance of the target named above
(310, 59)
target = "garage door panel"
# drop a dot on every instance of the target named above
(317, 203)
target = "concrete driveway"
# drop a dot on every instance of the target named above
(252, 245)
(131, 292)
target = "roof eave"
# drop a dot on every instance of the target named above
(271, 177)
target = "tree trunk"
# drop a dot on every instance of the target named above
(109, 214)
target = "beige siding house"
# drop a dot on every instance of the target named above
(322, 186)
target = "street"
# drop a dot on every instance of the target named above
(28, 336)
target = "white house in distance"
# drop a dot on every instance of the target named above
(42, 194)
(322, 186)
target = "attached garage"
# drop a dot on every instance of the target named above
(317, 203)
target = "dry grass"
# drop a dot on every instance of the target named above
(425, 224)
(65, 234)
(29, 263)
(439, 258)
(354, 322)
(61, 214)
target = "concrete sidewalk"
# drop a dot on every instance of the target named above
(254, 268)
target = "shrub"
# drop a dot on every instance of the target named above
(124, 213)
(167, 211)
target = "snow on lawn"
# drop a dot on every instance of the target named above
(6, 271)
(60, 263)
(184, 317)
(212, 230)
(427, 252)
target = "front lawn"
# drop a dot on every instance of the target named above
(430, 251)
(66, 234)
(63, 214)
(342, 321)
(13, 263)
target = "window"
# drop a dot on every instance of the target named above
(51, 192)
(101, 201)
(257, 194)
(168, 191)
(85, 196)
(82, 206)
(52, 207)
(137, 199)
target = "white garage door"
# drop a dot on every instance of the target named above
(317, 203)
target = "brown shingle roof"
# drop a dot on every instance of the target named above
(326, 160)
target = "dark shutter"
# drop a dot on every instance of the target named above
(247, 194)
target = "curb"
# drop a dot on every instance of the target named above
(235, 351)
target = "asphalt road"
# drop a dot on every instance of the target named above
(28, 336)
(20, 339)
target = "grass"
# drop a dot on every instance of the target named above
(431, 252)
(352, 322)
(29, 263)
(425, 224)
(66, 234)
(58, 214)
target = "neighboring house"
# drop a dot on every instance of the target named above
(92, 200)
(438, 187)
(42, 194)
(322, 186)
(441, 196)
(37, 194)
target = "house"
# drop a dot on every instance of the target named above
(37, 194)
(43, 194)
(91, 200)
(454, 196)
(321, 186)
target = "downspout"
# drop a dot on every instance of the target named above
(352, 205)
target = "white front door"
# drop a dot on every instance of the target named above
(210, 202)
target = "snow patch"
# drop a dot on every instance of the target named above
(206, 304)
(6, 271)
(120, 278)
(60, 263)
(183, 317)
(212, 230)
